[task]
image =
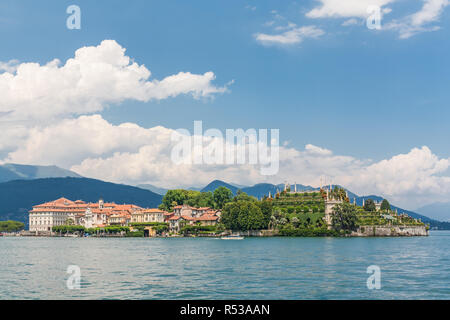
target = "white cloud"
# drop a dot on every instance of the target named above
(10, 66)
(407, 26)
(292, 35)
(345, 8)
(350, 22)
(317, 150)
(420, 21)
(95, 78)
(70, 141)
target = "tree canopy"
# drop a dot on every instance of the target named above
(385, 205)
(11, 226)
(193, 198)
(369, 205)
(222, 195)
(344, 217)
(244, 215)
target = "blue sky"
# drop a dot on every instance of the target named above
(356, 91)
(362, 93)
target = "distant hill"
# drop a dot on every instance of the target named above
(262, 189)
(153, 188)
(162, 191)
(17, 197)
(438, 211)
(10, 171)
(218, 183)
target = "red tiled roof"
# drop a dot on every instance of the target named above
(153, 211)
(207, 217)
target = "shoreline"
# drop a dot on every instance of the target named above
(361, 232)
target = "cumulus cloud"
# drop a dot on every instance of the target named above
(9, 66)
(128, 153)
(407, 26)
(96, 77)
(292, 34)
(345, 8)
(351, 22)
(421, 20)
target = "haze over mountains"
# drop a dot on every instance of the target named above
(438, 211)
(22, 186)
(12, 171)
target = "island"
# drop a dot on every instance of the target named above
(326, 212)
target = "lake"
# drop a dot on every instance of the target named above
(205, 268)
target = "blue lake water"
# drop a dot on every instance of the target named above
(254, 268)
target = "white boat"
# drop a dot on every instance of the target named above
(232, 237)
(71, 236)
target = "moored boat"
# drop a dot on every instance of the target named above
(232, 237)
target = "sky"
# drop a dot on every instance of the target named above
(366, 108)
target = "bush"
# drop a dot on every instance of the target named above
(290, 231)
(11, 226)
(136, 234)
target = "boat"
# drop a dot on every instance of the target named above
(71, 236)
(232, 237)
(1, 234)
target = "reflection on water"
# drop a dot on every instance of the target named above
(255, 268)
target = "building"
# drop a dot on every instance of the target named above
(187, 215)
(148, 215)
(188, 211)
(120, 218)
(208, 219)
(44, 217)
(55, 213)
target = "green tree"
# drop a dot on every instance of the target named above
(344, 217)
(266, 207)
(243, 215)
(205, 199)
(173, 197)
(222, 195)
(11, 226)
(369, 205)
(243, 196)
(385, 205)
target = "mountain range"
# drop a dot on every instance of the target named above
(22, 186)
(438, 211)
(12, 171)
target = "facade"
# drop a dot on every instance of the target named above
(183, 215)
(44, 217)
(148, 215)
(55, 213)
